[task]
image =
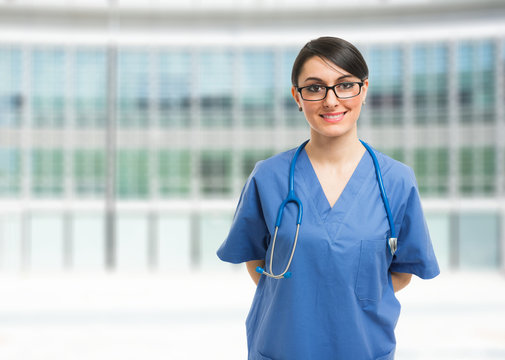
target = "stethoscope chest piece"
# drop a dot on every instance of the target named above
(393, 245)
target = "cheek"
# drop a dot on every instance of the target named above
(354, 104)
(311, 108)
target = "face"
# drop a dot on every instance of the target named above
(330, 117)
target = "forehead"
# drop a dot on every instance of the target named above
(321, 68)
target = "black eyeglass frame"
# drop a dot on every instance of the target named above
(360, 83)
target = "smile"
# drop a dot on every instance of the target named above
(333, 117)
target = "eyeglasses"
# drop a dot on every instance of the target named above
(344, 90)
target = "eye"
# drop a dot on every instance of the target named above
(346, 85)
(315, 88)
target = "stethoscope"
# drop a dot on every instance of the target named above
(392, 241)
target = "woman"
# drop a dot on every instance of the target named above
(339, 302)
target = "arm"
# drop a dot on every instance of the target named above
(400, 280)
(251, 267)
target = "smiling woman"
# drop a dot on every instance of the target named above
(351, 255)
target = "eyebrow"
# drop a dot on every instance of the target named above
(318, 79)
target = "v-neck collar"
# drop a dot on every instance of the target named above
(333, 216)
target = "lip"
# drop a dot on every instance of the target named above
(333, 117)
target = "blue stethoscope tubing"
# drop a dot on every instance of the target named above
(392, 241)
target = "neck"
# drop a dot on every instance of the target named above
(334, 150)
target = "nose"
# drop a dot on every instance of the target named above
(331, 98)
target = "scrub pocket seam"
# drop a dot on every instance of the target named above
(372, 270)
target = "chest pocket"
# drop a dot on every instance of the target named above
(372, 277)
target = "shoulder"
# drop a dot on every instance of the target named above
(395, 172)
(274, 165)
(399, 182)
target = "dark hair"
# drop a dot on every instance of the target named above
(340, 52)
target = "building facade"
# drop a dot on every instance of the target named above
(127, 132)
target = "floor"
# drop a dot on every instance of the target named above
(200, 315)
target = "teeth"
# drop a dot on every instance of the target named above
(333, 116)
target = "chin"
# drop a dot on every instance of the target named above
(333, 134)
(321, 128)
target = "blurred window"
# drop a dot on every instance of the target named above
(174, 172)
(89, 88)
(89, 172)
(11, 97)
(175, 88)
(385, 94)
(479, 241)
(133, 91)
(132, 241)
(439, 224)
(215, 88)
(88, 250)
(293, 118)
(47, 172)
(214, 228)
(215, 172)
(476, 76)
(431, 84)
(431, 166)
(11, 232)
(257, 88)
(133, 173)
(477, 171)
(174, 246)
(47, 241)
(48, 88)
(10, 172)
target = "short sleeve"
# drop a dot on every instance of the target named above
(247, 239)
(415, 253)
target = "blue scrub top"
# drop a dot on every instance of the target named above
(339, 302)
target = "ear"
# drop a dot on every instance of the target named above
(296, 96)
(364, 89)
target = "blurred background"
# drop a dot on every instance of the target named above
(128, 128)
